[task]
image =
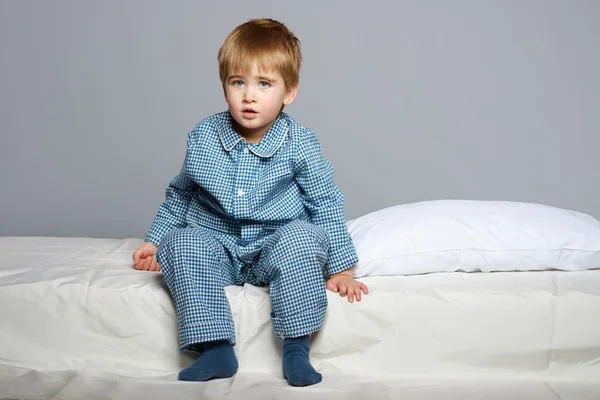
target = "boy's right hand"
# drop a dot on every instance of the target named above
(144, 258)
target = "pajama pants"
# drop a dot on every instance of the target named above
(197, 264)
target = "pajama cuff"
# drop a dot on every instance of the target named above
(300, 324)
(192, 334)
(341, 260)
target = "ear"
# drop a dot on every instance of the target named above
(290, 95)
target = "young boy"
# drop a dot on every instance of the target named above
(254, 203)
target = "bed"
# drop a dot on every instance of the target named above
(78, 322)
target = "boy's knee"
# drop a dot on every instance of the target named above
(300, 241)
(305, 235)
(186, 240)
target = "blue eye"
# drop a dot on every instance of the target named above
(264, 84)
(238, 83)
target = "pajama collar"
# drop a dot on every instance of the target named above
(268, 145)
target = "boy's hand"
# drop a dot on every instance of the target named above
(344, 283)
(144, 258)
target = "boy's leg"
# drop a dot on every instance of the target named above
(196, 269)
(292, 261)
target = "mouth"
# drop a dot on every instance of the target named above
(249, 113)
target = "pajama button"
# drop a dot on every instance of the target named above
(245, 150)
(240, 192)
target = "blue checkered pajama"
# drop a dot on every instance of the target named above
(263, 214)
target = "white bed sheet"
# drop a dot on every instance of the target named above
(78, 322)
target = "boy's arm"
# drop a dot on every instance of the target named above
(172, 212)
(325, 203)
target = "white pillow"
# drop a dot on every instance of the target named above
(470, 236)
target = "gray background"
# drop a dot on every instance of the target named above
(412, 100)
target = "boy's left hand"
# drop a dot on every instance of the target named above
(344, 284)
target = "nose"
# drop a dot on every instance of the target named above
(249, 95)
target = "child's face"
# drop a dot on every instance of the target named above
(255, 99)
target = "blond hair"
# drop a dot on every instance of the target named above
(265, 41)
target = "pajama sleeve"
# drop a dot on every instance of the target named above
(324, 202)
(172, 212)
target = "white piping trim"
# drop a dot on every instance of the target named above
(274, 151)
(223, 143)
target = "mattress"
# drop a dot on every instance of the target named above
(77, 321)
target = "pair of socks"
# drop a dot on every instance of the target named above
(218, 361)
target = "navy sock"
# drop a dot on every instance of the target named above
(296, 364)
(216, 361)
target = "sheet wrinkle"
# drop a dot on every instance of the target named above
(260, 327)
(336, 351)
(255, 296)
(554, 392)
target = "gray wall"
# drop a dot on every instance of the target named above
(413, 100)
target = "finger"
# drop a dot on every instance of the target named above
(343, 288)
(146, 263)
(152, 265)
(138, 263)
(136, 257)
(350, 293)
(332, 286)
(364, 287)
(155, 266)
(357, 292)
